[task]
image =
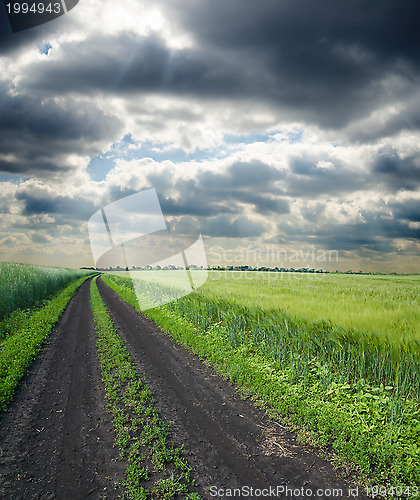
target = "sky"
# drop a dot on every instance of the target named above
(286, 132)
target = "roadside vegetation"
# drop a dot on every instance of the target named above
(23, 336)
(156, 467)
(22, 285)
(347, 387)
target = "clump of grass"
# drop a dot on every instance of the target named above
(22, 285)
(156, 468)
(14, 322)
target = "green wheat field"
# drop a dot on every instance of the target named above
(383, 305)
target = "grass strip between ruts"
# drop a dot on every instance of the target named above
(357, 421)
(156, 468)
(20, 348)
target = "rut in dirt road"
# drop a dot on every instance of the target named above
(55, 439)
(227, 440)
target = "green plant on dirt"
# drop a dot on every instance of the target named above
(168, 488)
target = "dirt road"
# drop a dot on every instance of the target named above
(57, 440)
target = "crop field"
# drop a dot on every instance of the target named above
(359, 327)
(338, 354)
(382, 305)
(22, 285)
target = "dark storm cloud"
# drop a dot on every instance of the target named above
(239, 227)
(252, 174)
(263, 203)
(218, 198)
(69, 208)
(376, 235)
(132, 63)
(344, 238)
(325, 62)
(407, 210)
(384, 225)
(314, 214)
(193, 205)
(34, 132)
(388, 28)
(268, 191)
(396, 172)
(375, 232)
(210, 193)
(204, 204)
(327, 59)
(313, 177)
(308, 179)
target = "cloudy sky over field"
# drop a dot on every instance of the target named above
(280, 128)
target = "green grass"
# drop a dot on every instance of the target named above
(22, 285)
(383, 305)
(346, 356)
(156, 468)
(353, 390)
(27, 338)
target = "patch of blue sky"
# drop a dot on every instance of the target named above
(246, 139)
(295, 136)
(128, 150)
(100, 166)
(291, 136)
(44, 49)
(16, 179)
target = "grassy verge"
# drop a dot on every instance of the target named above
(22, 285)
(374, 428)
(156, 468)
(27, 337)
